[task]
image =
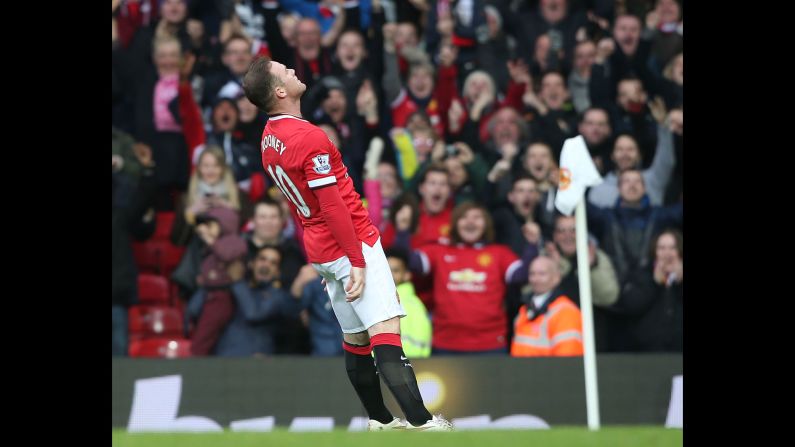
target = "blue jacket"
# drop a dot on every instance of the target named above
(257, 315)
(626, 233)
(312, 9)
(324, 330)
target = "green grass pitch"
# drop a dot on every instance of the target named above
(611, 436)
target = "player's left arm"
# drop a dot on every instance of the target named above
(323, 183)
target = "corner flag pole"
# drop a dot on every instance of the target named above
(584, 274)
(578, 172)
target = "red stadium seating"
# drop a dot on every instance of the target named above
(160, 348)
(153, 289)
(157, 256)
(154, 322)
(165, 219)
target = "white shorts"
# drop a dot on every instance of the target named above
(378, 302)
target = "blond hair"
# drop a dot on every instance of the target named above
(227, 178)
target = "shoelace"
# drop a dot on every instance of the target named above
(444, 421)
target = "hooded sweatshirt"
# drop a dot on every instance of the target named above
(229, 247)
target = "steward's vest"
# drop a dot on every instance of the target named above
(556, 332)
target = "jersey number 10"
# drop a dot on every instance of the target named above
(283, 181)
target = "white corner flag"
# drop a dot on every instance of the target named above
(578, 172)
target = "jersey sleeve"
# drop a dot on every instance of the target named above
(428, 256)
(509, 262)
(318, 164)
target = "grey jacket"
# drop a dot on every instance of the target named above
(656, 178)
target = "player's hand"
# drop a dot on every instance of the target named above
(355, 285)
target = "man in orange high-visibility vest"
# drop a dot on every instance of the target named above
(548, 323)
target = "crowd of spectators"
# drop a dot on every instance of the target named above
(450, 116)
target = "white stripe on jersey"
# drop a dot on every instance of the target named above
(322, 181)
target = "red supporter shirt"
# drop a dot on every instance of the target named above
(299, 158)
(469, 284)
(403, 106)
(431, 228)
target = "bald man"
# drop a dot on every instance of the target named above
(548, 323)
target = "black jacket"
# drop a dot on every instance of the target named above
(652, 314)
(131, 198)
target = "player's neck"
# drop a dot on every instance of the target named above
(288, 108)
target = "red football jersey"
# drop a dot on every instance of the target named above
(403, 106)
(469, 284)
(431, 229)
(299, 157)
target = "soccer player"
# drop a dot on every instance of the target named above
(342, 244)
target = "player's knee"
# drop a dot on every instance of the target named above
(390, 326)
(359, 338)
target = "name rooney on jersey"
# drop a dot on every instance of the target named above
(269, 141)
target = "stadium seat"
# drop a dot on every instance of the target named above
(146, 257)
(153, 289)
(157, 256)
(168, 348)
(154, 321)
(165, 219)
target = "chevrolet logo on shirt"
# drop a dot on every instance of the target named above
(467, 275)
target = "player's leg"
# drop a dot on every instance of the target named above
(396, 370)
(362, 374)
(380, 311)
(359, 362)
